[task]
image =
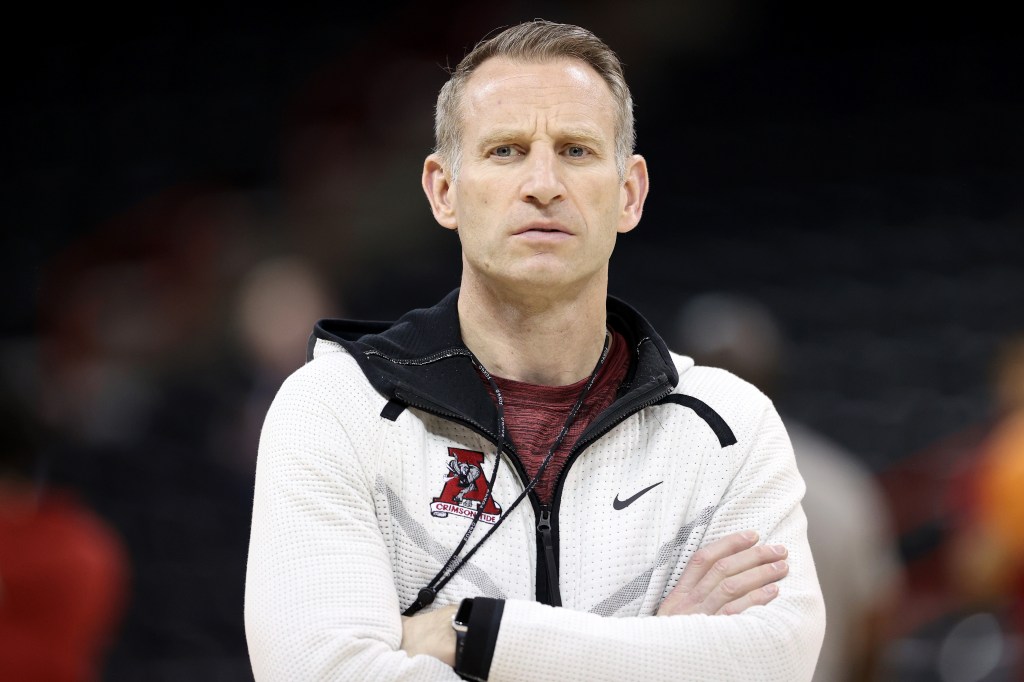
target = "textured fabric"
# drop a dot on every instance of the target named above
(347, 527)
(534, 415)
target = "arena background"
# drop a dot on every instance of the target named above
(857, 168)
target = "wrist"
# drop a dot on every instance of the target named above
(476, 624)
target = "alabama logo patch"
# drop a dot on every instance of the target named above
(464, 488)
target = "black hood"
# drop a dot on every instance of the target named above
(421, 358)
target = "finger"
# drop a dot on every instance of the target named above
(729, 578)
(741, 585)
(683, 598)
(758, 597)
(706, 557)
(735, 565)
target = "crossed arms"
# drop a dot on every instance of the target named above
(724, 578)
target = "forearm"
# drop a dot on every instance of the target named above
(538, 642)
(321, 655)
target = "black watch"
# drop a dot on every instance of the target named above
(460, 623)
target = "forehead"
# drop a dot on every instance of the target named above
(502, 91)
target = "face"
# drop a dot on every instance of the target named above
(538, 200)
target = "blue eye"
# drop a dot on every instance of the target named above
(503, 151)
(576, 151)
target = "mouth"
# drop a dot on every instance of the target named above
(543, 229)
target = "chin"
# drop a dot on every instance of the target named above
(545, 282)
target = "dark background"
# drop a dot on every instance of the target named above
(856, 167)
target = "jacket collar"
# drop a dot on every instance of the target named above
(420, 359)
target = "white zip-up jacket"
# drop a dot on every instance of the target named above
(376, 454)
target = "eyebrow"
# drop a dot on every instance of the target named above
(507, 135)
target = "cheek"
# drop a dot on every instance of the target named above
(475, 199)
(606, 212)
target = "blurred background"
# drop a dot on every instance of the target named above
(836, 214)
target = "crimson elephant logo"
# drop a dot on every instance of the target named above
(465, 487)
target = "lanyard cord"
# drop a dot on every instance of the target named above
(454, 563)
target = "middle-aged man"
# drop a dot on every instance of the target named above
(511, 484)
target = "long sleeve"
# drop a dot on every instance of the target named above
(779, 641)
(320, 601)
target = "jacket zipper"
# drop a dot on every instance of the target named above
(547, 563)
(546, 579)
(546, 589)
(547, 527)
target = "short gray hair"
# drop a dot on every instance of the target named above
(535, 41)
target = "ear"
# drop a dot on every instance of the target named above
(634, 192)
(438, 188)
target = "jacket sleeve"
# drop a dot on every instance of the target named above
(778, 641)
(320, 602)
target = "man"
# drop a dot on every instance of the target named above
(629, 483)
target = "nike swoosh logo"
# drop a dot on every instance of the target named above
(622, 504)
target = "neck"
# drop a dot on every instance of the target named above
(537, 340)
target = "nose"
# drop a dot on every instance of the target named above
(542, 183)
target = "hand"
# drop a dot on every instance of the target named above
(727, 577)
(431, 633)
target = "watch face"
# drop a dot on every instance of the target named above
(462, 615)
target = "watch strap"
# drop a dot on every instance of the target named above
(460, 623)
(474, 648)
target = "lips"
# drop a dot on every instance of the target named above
(542, 229)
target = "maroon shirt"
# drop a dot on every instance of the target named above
(534, 415)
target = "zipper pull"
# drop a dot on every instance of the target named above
(544, 524)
